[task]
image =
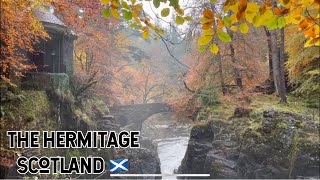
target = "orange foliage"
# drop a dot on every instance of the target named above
(20, 30)
(250, 54)
(139, 85)
(97, 48)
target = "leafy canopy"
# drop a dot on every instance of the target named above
(235, 15)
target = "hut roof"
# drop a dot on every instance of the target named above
(46, 16)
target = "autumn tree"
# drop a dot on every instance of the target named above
(20, 30)
(302, 65)
(99, 49)
(235, 14)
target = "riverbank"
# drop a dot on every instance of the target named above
(261, 140)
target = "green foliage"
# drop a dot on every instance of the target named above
(82, 110)
(28, 106)
(208, 96)
(156, 3)
(165, 12)
(179, 20)
(224, 37)
(106, 13)
(295, 104)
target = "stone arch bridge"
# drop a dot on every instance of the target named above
(134, 115)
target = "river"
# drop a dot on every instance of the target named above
(170, 137)
(171, 152)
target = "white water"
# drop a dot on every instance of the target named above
(171, 139)
(171, 152)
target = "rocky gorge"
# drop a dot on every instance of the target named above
(271, 144)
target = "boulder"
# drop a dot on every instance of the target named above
(143, 161)
(199, 145)
(242, 112)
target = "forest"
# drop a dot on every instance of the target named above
(248, 68)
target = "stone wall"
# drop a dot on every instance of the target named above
(68, 46)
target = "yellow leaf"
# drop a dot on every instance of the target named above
(125, 5)
(234, 28)
(252, 8)
(209, 32)
(135, 17)
(179, 11)
(105, 2)
(263, 19)
(115, 13)
(316, 30)
(312, 42)
(316, 4)
(145, 33)
(214, 48)
(232, 7)
(250, 17)
(267, 15)
(204, 40)
(234, 18)
(137, 8)
(204, 20)
(244, 28)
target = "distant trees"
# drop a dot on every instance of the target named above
(217, 19)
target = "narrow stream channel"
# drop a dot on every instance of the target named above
(171, 152)
(170, 137)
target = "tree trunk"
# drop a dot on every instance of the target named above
(282, 88)
(235, 69)
(269, 54)
(275, 59)
(223, 87)
(277, 67)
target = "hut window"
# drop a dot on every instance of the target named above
(47, 56)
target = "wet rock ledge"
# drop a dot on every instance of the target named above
(272, 144)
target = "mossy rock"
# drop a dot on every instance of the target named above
(45, 81)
